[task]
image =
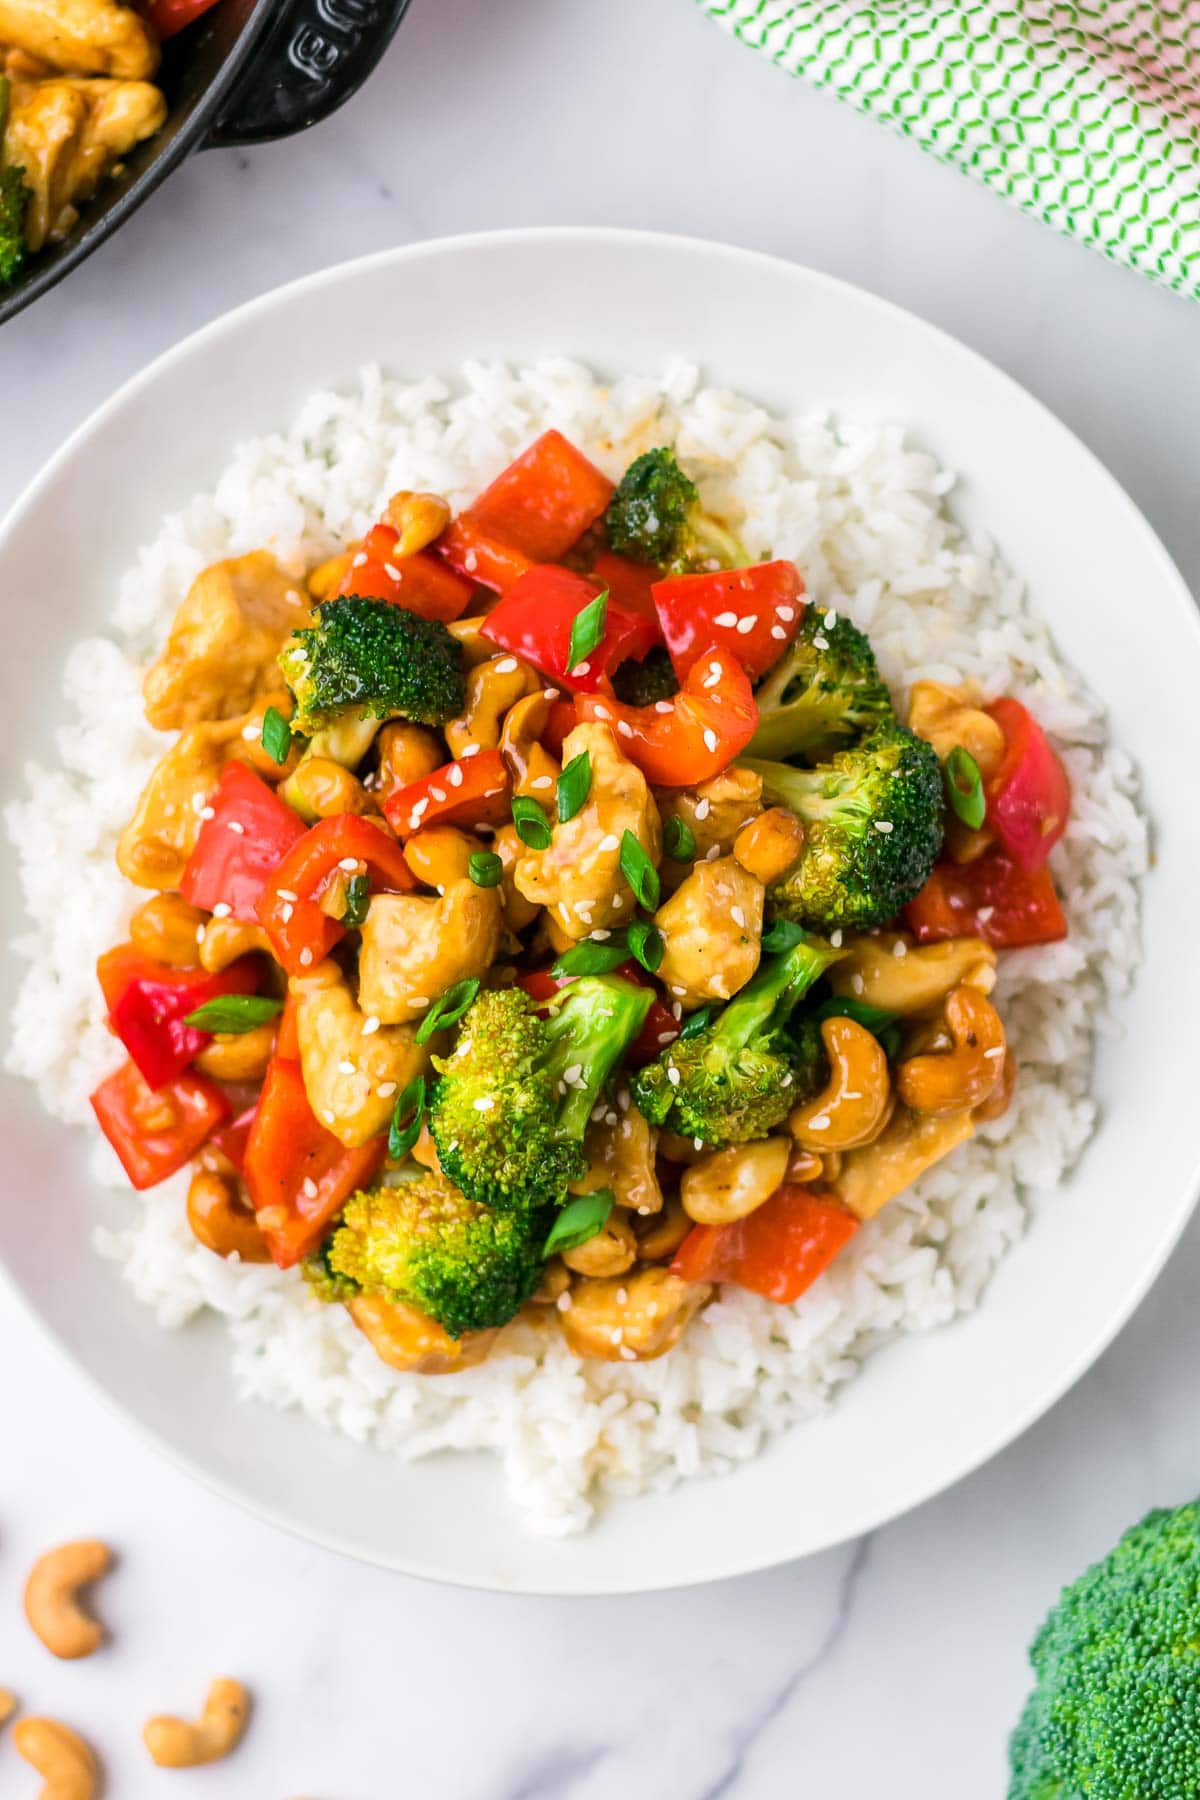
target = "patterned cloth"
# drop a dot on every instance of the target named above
(1088, 116)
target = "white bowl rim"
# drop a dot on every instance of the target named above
(719, 1568)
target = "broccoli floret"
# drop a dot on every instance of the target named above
(322, 1279)
(807, 1057)
(733, 1080)
(370, 659)
(642, 683)
(825, 694)
(14, 198)
(655, 516)
(511, 1104)
(873, 823)
(1115, 1714)
(424, 1243)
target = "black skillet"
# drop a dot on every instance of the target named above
(248, 71)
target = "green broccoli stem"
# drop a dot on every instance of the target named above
(587, 1034)
(811, 793)
(768, 998)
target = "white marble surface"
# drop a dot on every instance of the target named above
(893, 1666)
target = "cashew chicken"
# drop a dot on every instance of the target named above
(415, 946)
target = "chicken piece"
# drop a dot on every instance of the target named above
(579, 876)
(909, 1144)
(68, 135)
(714, 813)
(225, 638)
(351, 1075)
(415, 946)
(621, 1156)
(155, 845)
(87, 37)
(712, 932)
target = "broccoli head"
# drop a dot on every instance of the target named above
(655, 516)
(824, 695)
(14, 197)
(873, 827)
(1115, 1713)
(511, 1103)
(642, 683)
(733, 1079)
(369, 659)
(424, 1243)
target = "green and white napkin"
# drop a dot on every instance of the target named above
(1088, 116)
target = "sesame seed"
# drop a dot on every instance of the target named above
(851, 1094)
(468, 750)
(610, 841)
(900, 948)
(710, 738)
(820, 1123)
(738, 916)
(616, 1334)
(712, 678)
(984, 913)
(251, 734)
(420, 1001)
(830, 619)
(356, 562)
(438, 794)
(998, 1051)
(286, 912)
(786, 1080)
(627, 1354)
(471, 561)
(346, 1067)
(573, 1074)
(679, 990)
(821, 642)
(673, 1075)
(676, 1009)
(746, 624)
(507, 665)
(349, 864)
(703, 808)
(624, 729)
(883, 825)
(200, 931)
(602, 712)
(309, 1188)
(777, 631)
(611, 1118)
(485, 1104)
(712, 855)
(455, 776)
(542, 781)
(306, 957)
(835, 938)
(857, 983)
(392, 572)
(222, 909)
(785, 612)
(329, 1115)
(600, 934)
(207, 812)
(563, 1302)
(236, 825)
(666, 1037)
(549, 693)
(583, 668)
(420, 807)
(622, 1296)
(386, 1089)
(727, 619)
(663, 706)
(370, 1026)
(287, 894)
(697, 1143)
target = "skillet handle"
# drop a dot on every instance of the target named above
(313, 56)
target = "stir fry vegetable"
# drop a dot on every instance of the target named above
(525, 946)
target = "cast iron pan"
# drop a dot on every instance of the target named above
(248, 71)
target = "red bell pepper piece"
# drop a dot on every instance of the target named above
(249, 834)
(478, 557)
(750, 613)
(544, 501)
(421, 583)
(659, 1028)
(562, 719)
(287, 1041)
(170, 16)
(778, 1250)
(631, 584)
(298, 1175)
(148, 1002)
(993, 898)
(1029, 796)
(155, 1132)
(534, 619)
(300, 933)
(474, 791)
(681, 742)
(231, 1139)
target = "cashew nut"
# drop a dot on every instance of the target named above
(610, 1252)
(60, 1755)
(533, 769)
(51, 1600)
(406, 753)
(663, 1234)
(239, 1055)
(319, 788)
(418, 518)
(1000, 1098)
(731, 1183)
(854, 1107)
(220, 1222)
(225, 940)
(556, 1279)
(967, 1073)
(8, 1705)
(632, 1318)
(492, 687)
(168, 929)
(769, 845)
(440, 854)
(909, 1144)
(178, 1744)
(621, 1157)
(405, 1339)
(892, 972)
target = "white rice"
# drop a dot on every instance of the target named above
(862, 512)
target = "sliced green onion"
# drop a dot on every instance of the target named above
(783, 935)
(881, 1024)
(276, 735)
(587, 628)
(449, 1009)
(410, 1105)
(679, 840)
(964, 785)
(639, 872)
(574, 786)
(530, 822)
(234, 1013)
(589, 958)
(697, 1021)
(485, 868)
(358, 899)
(579, 1220)
(646, 942)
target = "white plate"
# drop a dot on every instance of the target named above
(925, 1411)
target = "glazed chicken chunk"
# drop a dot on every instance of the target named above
(225, 638)
(68, 134)
(95, 37)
